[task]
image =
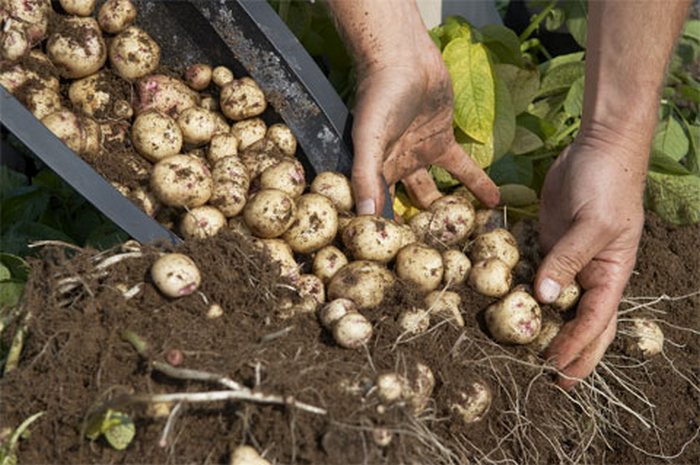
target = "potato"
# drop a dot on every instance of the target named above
(414, 321)
(181, 181)
(445, 305)
(249, 131)
(457, 267)
(145, 200)
(452, 221)
(246, 455)
(133, 54)
(202, 222)
(407, 235)
(116, 15)
(241, 99)
(38, 59)
(420, 225)
(269, 213)
(334, 311)
(78, 7)
(175, 275)
(198, 125)
(486, 220)
(33, 14)
(473, 404)
(490, 277)
(364, 282)
(336, 187)
(498, 243)
(122, 109)
(229, 197)
(281, 253)
(238, 225)
(156, 136)
(568, 297)
(78, 50)
(221, 76)
(382, 437)
(516, 319)
(352, 331)
(314, 226)
(43, 101)
(12, 78)
(420, 265)
(371, 238)
(287, 176)
(391, 387)
(548, 332)
(327, 261)
(282, 137)
(165, 94)
(230, 169)
(81, 135)
(421, 389)
(222, 146)
(198, 76)
(14, 40)
(311, 286)
(210, 103)
(646, 337)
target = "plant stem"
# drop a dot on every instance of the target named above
(537, 20)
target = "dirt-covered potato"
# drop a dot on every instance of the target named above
(246, 455)
(133, 53)
(568, 297)
(222, 146)
(241, 99)
(248, 132)
(327, 261)
(498, 243)
(487, 220)
(364, 282)
(229, 197)
(78, 7)
(644, 336)
(198, 125)
(165, 94)
(473, 403)
(14, 40)
(451, 221)
(122, 109)
(311, 286)
(445, 306)
(457, 267)
(32, 14)
(116, 15)
(202, 222)
(281, 253)
(548, 332)
(181, 181)
(81, 135)
(391, 387)
(87, 94)
(78, 49)
(269, 213)
(314, 226)
(230, 169)
(334, 311)
(145, 200)
(287, 176)
(420, 225)
(421, 388)
(156, 135)
(221, 76)
(490, 277)
(371, 238)
(282, 137)
(515, 319)
(352, 331)
(336, 187)
(420, 265)
(175, 275)
(198, 76)
(414, 321)
(407, 235)
(238, 225)
(43, 101)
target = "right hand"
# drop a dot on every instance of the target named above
(403, 123)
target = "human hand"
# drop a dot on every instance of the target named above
(591, 220)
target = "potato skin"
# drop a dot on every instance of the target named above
(497, 243)
(181, 181)
(516, 319)
(165, 94)
(133, 54)
(568, 297)
(315, 224)
(490, 277)
(363, 282)
(176, 275)
(287, 176)
(249, 131)
(156, 135)
(221, 146)
(452, 221)
(221, 76)
(202, 222)
(445, 305)
(371, 238)
(269, 213)
(280, 252)
(457, 267)
(116, 15)
(327, 262)
(198, 76)
(336, 187)
(78, 7)
(352, 331)
(241, 99)
(421, 265)
(73, 60)
(282, 137)
(198, 125)
(473, 404)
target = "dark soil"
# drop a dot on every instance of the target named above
(75, 360)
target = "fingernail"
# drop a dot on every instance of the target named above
(549, 290)
(366, 207)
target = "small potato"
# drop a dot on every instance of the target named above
(457, 267)
(498, 243)
(198, 125)
(568, 297)
(116, 15)
(364, 282)
(352, 331)
(229, 197)
(548, 332)
(246, 455)
(43, 101)
(314, 225)
(486, 220)
(248, 132)
(421, 388)
(260, 156)
(122, 109)
(269, 213)
(209, 103)
(282, 137)
(445, 305)
(452, 220)
(165, 94)
(82, 135)
(202, 222)
(372, 238)
(176, 275)
(241, 99)
(198, 76)
(327, 262)
(156, 136)
(472, 404)
(14, 40)
(334, 311)
(222, 146)
(34, 14)
(414, 321)
(490, 277)
(516, 319)
(78, 7)
(382, 437)
(336, 187)
(221, 76)
(391, 387)
(311, 286)
(279, 252)
(420, 265)
(133, 53)
(420, 225)
(238, 225)
(181, 181)
(645, 337)
(230, 169)
(287, 176)
(78, 50)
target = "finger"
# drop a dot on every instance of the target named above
(421, 188)
(570, 254)
(460, 164)
(589, 358)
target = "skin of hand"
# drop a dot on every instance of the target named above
(403, 114)
(591, 212)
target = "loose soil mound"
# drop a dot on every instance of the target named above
(75, 360)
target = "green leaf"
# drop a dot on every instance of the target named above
(522, 84)
(560, 60)
(573, 104)
(690, 92)
(540, 127)
(548, 107)
(503, 43)
(511, 170)
(119, 430)
(443, 178)
(16, 238)
(25, 204)
(674, 198)
(691, 30)
(525, 141)
(662, 163)
(11, 292)
(10, 180)
(694, 155)
(577, 20)
(517, 195)
(474, 88)
(4, 272)
(555, 19)
(482, 154)
(560, 78)
(671, 139)
(17, 266)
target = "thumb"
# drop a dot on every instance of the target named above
(569, 255)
